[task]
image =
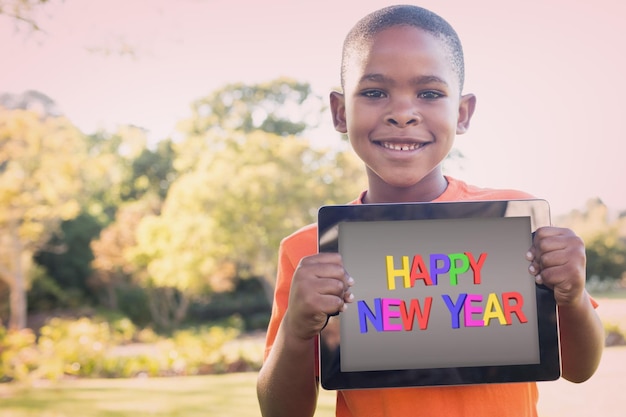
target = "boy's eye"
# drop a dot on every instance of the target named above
(429, 95)
(373, 94)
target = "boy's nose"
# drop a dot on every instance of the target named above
(403, 114)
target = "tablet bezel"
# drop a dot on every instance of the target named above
(549, 368)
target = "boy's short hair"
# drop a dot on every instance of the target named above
(404, 15)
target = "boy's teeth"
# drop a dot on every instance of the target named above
(401, 146)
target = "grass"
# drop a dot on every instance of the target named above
(231, 395)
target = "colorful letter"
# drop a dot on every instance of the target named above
(469, 309)
(388, 313)
(435, 269)
(493, 310)
(516, 308)
(455, 309)
(455, 269)
(365, 313)
(419, 271)
(392, 273)
(476, 265)
(408, 317)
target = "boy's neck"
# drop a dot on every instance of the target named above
(426, 190)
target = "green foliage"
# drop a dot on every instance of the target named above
(247, 300)
(132, 302)
(282, 106)
(45, 293)
(236, 205)
(67, 255)
(606, 256)
(40, 184)
(19, 356)
(96, 348)
(152, 172)
(110, 174)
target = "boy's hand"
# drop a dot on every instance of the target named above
(320, 287)
(557, 260)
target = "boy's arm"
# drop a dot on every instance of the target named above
(287, 383)
(558, 261)
(582, 339)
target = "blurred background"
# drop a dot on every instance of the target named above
(153, 154)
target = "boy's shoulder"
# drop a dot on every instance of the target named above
(461, 191)
(305, 238)
(303, 234)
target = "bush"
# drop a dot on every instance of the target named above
(19, 356)
(95, 348)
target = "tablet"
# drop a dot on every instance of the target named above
(443, 296)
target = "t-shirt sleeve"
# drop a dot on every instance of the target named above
(291, 250)
(284, 276)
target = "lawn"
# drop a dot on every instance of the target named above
(231, 395)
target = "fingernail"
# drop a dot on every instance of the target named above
(532, 269)
(351, 297)
(529, 256)
(538, 279)
(350, 281)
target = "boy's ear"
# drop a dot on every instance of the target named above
(338, 111)
(466, 110)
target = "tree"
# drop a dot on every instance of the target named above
(40, 178)
(231, 212)
(111, 264)
(152, 172)
(283, 106)
(245, 180)
(606, 256)
(69, 268)
(22, 11)
(604, 237)
(109, 176)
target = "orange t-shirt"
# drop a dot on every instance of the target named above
(497, 400)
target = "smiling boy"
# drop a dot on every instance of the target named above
(402, 106)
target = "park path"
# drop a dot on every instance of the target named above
(601, 396)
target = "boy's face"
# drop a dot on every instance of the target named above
(401, 106)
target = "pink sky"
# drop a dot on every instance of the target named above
(550, 76)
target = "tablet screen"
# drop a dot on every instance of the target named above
(442, 296)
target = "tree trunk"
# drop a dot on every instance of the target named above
(17, 302)
(15, 278)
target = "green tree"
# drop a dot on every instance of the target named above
(109, 176)
(606, 256)
(69, 267)
(152, 172)
(111, 265)
(283, 106)
(40, 178)
(245, 180)
(604, 237)
(236, 206)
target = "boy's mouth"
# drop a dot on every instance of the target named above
(395, 146)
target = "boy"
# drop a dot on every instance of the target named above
(401, 106)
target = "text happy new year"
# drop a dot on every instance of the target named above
(467, 310)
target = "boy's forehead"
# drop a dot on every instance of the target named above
(397, 43)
